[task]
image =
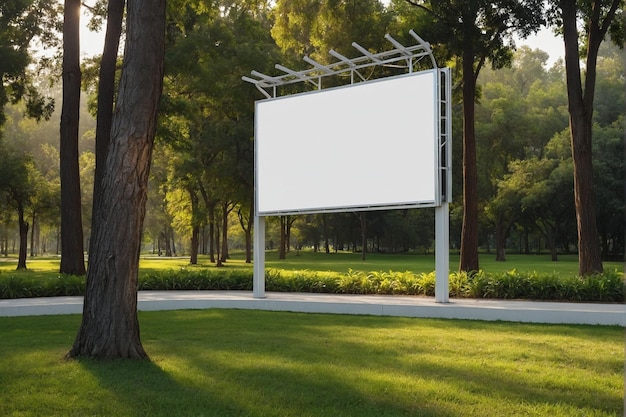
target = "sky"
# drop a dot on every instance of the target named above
(546, 41)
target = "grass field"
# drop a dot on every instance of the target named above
(250, 363)
(341, 262)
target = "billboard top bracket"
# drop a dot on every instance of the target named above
(400, 57)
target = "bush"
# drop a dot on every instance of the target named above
(607, 287)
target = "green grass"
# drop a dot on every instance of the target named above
(250, 363)
(342, 262)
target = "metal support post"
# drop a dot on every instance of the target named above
(442, 253)
(258, 279)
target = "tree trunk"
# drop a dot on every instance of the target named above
(32, 235)
(106, 90)
(217, 239)
(166, 238)
(288, 225)
(580, 106)
(110, 328)
(212, 233)
(282, 250)
(469, 231)
(226, 209)
(72, 255)
(326, 239)
(500, 240)
(363, 221)
(23, 228)
(589, 253)
(195, 226)
(106, 94)
(246, 222)
(195, 243)
(248, 234)
(554, 255)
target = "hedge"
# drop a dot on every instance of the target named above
(607, 287)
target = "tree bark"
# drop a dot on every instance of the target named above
(110, 328)
(72, 253)
(106, 90)
(469, 231)
(580, 106)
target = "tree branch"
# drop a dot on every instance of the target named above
(608, 19)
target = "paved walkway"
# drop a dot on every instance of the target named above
(520, 311)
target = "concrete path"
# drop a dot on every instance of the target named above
(379, 305)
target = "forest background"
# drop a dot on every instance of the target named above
(200, 195)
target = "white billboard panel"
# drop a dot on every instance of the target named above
(368, 145)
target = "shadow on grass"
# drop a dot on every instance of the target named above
(204, 387)
(315, 365)
(142, 388)
(253, 363)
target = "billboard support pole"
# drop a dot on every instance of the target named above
(442, 212)
(442, 253)
(258, 279)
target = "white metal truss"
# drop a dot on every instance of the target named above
(400, 57)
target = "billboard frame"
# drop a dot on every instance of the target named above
(410, 56)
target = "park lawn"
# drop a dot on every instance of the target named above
(342, 261)
(252, 363)
(336, 262)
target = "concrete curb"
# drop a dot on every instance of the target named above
(400, 306)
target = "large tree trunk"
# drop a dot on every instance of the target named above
(110, 328)
(580, 106)
(469, 231)
(72, 255)
(589, 252)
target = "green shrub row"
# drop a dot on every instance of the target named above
(197, 279)
(19, 285)
(607, 287)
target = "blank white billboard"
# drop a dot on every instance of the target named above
(363, 146)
